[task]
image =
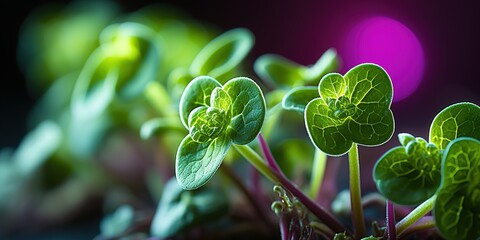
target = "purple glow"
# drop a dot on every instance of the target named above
(393, 46)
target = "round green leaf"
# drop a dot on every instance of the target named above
(247, 109)
(369, 84)
(197, 162)
(298, 98)
(279, 71)
(223, 54)
(196, 94)
(456, 209)
(408, 175)
(328, 133)
(457, 120)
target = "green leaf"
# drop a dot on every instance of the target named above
(328, 133)
(197, 162)
(177, 81)
(369, 84)
(196, 94)
(247, 109)
(298, 98)
(223, 54)
(37, 147)
(327, 63)
(282, 72)
(354, 108)
(180, 210)
(456, 210)
(457, 120)
(146, 59)
(408, 175)
(117, 223)
(279, 71)
(156, 125)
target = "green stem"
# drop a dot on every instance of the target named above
(415, 215)
(257, 162)
(424, 223)
(355, 192)
(318, 170)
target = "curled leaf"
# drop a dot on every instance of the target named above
(223, 54)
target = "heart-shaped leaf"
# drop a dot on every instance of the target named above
(457, 120)
(354, 108)
(409, 174)
(223, 54)
(456, 209)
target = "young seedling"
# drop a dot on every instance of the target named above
(418, 171)
(352, 109)
(216, 116)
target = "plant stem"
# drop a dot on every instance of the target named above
(257, 161)
(268, 155)
(280, 179)
(355, 192)
(415, 215)
(392, 233)
(318, 170)
(424, 223)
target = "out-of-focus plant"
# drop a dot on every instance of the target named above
(149, 114)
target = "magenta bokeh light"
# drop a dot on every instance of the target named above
(393, 46)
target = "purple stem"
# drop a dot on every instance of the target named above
(391, 230)
(268, 155)
(319, 211)
(284, 227)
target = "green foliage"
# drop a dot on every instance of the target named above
(456, 209)
(118, 222)
(282, 72)
(410, 174)
(180, 210)
(219, 59)
(221, 55)
(353, 108)
(298, 98)
(122, 66)
(460, 119)
(216, 117)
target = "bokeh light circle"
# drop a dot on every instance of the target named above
(393, 46)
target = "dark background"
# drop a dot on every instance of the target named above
(449, 32)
